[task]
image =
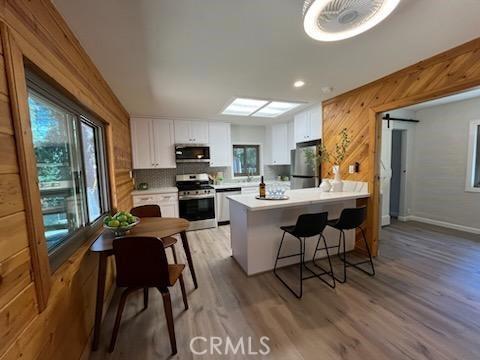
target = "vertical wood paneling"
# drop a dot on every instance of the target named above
(452, 71)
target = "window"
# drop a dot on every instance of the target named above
(246, 160)
(473, 165)
(69, 147)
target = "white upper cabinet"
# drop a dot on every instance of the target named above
(316, 121)
(291, 135)
(152, 143)
(220, 144)
(142, 151)
(308, 125)
(191, 132)
(277, 145)
(199, 132)
(163, 145)
(301, 127)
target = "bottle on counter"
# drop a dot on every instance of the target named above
(262, 192)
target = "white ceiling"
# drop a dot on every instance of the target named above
(470, 94)
(189, 58)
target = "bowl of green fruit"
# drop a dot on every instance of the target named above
(120, 223)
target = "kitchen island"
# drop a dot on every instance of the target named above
(255, 225)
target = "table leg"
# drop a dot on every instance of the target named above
(186, 247)
(102, 274)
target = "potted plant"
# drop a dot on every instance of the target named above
(334, 157)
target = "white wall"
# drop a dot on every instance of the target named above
(244, 134)
(440, 164)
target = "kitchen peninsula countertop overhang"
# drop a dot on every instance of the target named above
(300, 197)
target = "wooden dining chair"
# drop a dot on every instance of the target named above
(146, 211)
(142, 263)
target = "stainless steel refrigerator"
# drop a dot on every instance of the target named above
(305, 171)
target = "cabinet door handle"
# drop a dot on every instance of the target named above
(144, 199)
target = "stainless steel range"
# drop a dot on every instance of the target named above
(196, 200)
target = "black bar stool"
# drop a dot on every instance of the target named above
(308, 225)
(351, 219)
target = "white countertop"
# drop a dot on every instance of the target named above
(249, 184)
(297, 198)
(154, 191)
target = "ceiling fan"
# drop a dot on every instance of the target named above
(333, 20)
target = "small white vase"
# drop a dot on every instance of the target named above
(337, 183)
(325, 186)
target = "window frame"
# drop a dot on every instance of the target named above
(473, 161)
(245, 146)
(39, 87)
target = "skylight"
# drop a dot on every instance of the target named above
(276, 108)
(244, 107)
(260, 108)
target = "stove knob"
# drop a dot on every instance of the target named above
(196, 192)
(188, 192)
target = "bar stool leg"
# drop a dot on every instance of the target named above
(369, 253)
(341, 242)
(302, 262)
(325, 272)
(278, 254)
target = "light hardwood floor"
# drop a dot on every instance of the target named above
(424, 303)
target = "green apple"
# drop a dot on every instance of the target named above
(114, 223)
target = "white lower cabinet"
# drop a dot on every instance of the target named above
(250, 190)
(168, 202)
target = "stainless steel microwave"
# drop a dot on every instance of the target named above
(192, 153)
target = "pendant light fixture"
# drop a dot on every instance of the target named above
(333, 20)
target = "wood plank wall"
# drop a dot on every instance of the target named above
(453, 71)
(62, 329)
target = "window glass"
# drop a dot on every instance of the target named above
(246, 160)
(59, 169)
(69, 145)
(91, 171)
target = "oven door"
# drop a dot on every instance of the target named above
(197, 208)
(192, 153)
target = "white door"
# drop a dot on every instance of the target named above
(163, 144)
(301, 127)
(141, 143)
(315, 123)
(220, 144)
(199, 132)
(182, 132)
(279, 145)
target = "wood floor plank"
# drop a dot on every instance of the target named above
(424, 303)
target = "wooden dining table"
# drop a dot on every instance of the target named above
(159, 227)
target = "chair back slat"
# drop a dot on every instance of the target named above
(311, 224)
(351, 218)
(141, 262)
(145, 211)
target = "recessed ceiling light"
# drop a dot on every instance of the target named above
(260, 108)
(298, 83)
(332, 20)
(244, 107)
(276, 108)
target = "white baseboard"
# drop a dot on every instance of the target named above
(405, 218)
(442, 224)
